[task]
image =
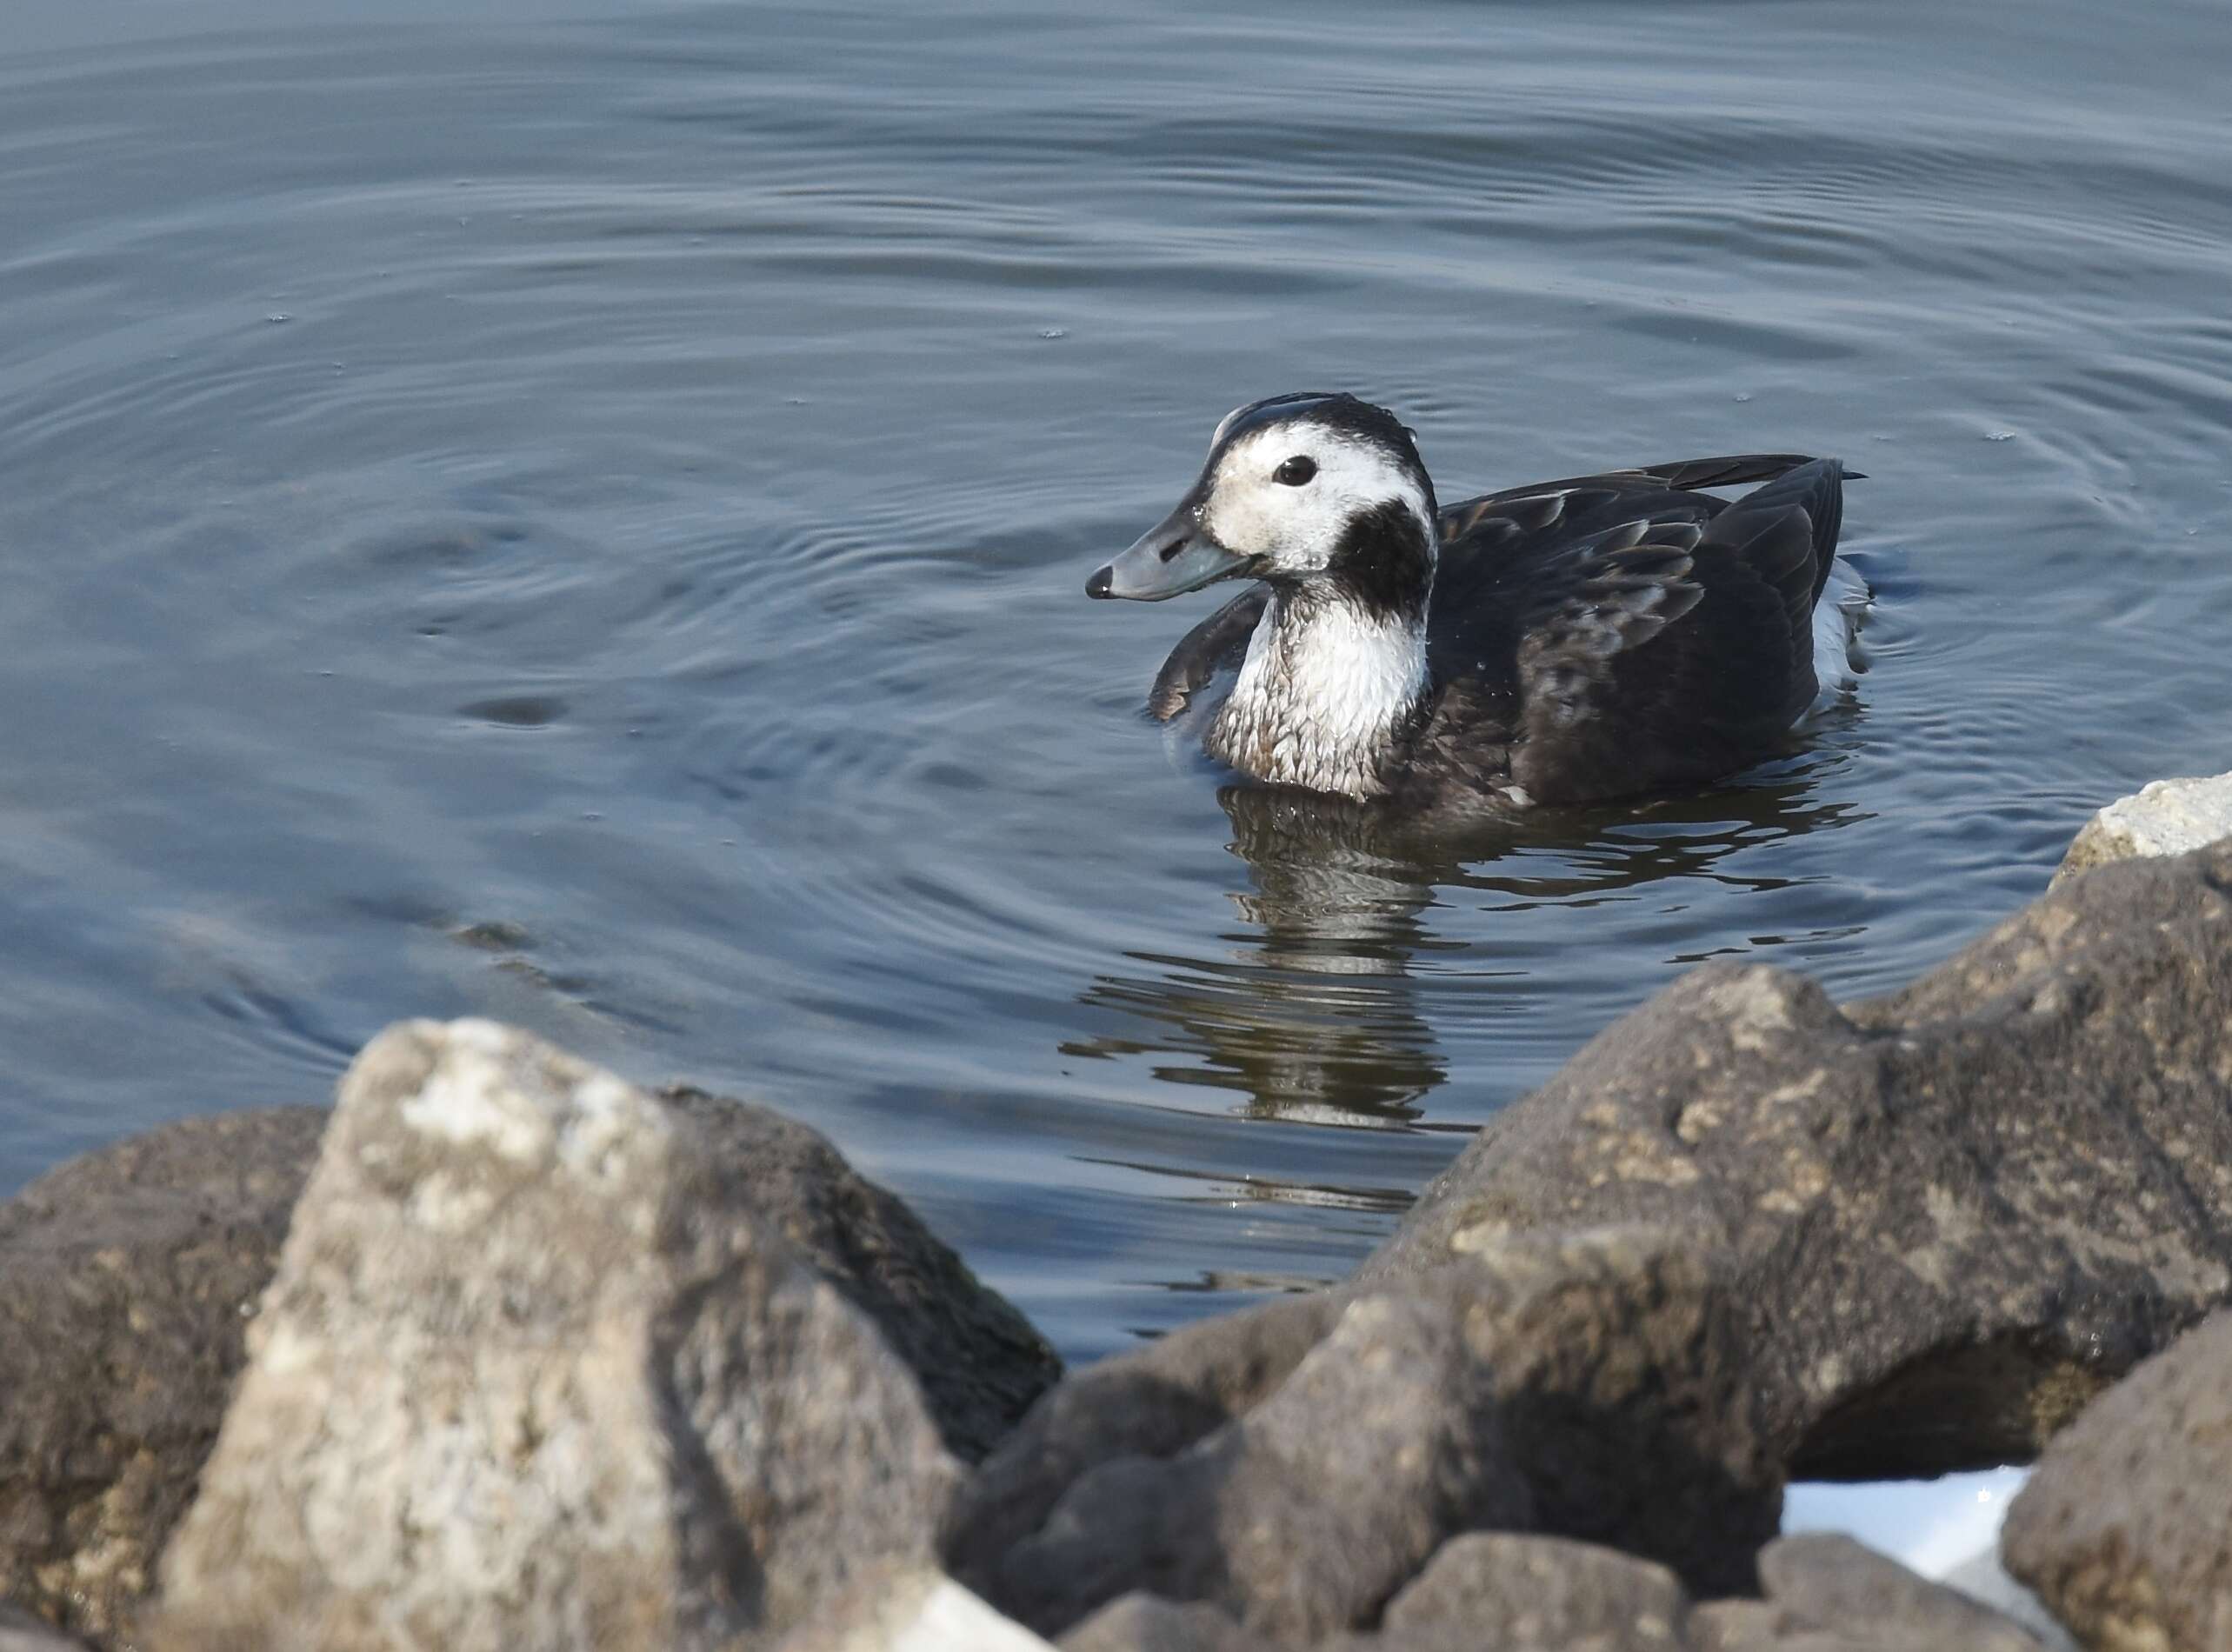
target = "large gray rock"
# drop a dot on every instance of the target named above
(126, 1278)
(2165, 817)
(1952, 1213)
(1295, 1464)
(2125, 1527)
(535, 1371)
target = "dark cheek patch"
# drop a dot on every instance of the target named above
(1382, 561)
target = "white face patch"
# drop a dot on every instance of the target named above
(1296, 528)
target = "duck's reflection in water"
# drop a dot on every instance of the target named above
(1316, 1016)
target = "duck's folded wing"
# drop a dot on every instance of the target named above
(1216, 644)
(1615, 592)
(1665, 653)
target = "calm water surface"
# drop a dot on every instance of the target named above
(581, 519)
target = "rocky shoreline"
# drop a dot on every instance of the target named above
(501, 1352)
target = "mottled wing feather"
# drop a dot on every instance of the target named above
(1621, 588)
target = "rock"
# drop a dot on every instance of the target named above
(980, 1362)
(126, 1278)
(2167, 818)
(21, 1632)
(1295, 1464)
(1980, 1577)
(1143, 1622)
(1823, 1589)
(535, 1372)
(2125, 1527)
(1954, 1214)
(1503, 1590)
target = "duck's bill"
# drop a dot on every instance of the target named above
(1172, 558)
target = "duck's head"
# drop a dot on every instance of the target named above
(1297, 490)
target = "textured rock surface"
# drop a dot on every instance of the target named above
(2125, 1528)
(2167, 818)
(980, 1362)
(534, 1372)
(1499, 1589)
(125, 1280)
(1295, 1464)
(1954, 1213)
(1825, 1593)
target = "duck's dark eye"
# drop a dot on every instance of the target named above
(1296, 470)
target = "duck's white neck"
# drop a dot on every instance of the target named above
(1328, 689)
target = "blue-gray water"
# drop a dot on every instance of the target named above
(579, 516)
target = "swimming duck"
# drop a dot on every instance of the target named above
(1555, 644)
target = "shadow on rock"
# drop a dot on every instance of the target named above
(1296, 1463)
(1952, 1214)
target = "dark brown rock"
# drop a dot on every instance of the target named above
(1295, 1464)
(125, 1279)
(2125, 1528)
(1954, 1214)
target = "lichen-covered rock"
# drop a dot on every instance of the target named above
(1295, 1464)
(1952, 1214)
(2125, 1527)
(535, 1372)
(2165, 817)
(126, 1278)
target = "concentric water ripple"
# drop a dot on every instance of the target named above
(583, 521)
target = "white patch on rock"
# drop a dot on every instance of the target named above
(2164, 817)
